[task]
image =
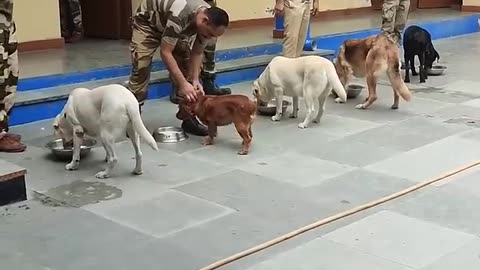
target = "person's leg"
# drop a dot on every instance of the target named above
(143, 45)
(190, 125)
(401, 18)
(208, 74)
(389, 11)
(8, 88)
(292, 24)
(302, 34)
(76, 21)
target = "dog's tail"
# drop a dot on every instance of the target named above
(137, 124)
(396, 81)
(335, 83)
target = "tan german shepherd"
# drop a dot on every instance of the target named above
(370, 57)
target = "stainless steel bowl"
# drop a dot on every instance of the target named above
(436, 70)
(353, 90)
(60, 152)
(169, 135)
(270, 108)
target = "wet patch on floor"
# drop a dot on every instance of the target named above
(464, 120)
(80, 193)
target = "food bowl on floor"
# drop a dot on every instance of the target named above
(270, 108)
(64, 153)
(169, 135)
(436, 70)
(353, 90)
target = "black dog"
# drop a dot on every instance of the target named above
(417, 41)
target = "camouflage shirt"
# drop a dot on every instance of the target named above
(173, 18)
(6, 14)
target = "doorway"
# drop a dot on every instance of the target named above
(439, 3)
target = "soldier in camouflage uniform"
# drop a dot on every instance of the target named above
(8, 77)
(71, 20)
(208, 71)
(394, 18)
(181, 29)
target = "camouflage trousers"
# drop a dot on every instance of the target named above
(209, 52)
(8, 74)
(70, 18)
(394, 18)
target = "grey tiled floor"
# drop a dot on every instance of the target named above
(97, 53)
(198, 204)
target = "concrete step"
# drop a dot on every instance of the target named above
(61, 92)
(12, 183)
(46, 103)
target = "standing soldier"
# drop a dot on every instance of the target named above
(208, 75)
(172, 25)
(71, 20)
(8, 77)
(394, 18)
(296, 15)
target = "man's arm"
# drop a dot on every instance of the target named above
(166, 52)
(196, 58)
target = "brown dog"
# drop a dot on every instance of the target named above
(215, 111)
(370, 58)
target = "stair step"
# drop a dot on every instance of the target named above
(62, 92)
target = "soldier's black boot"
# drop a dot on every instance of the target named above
(194, 127)
(173, 94)
(211, 88)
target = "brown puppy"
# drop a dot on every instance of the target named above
(371, 57)
(215, 111)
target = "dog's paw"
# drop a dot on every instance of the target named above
(102, 175)
(242, 152)
(339, 100)
(394, 107)
(137, 172)
(71, 166)
(302, 126)
(293, 115)
(316, 121)
(276, 118)
(361, 106)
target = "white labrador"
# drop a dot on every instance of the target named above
(311, 77)
(107, 112)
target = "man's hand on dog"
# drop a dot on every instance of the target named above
(190, 91)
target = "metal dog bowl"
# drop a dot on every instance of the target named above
(270, 109)
(65, 153)
(353, 90)
(436, 70)
(169, 135)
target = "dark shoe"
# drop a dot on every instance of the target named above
(194, 127)
(210, 88)
(8, 145)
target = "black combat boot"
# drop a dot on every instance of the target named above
(173, 94)
(209, 86)
(194, 127)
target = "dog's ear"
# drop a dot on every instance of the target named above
(437, 56)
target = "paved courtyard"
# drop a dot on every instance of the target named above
(195, 204)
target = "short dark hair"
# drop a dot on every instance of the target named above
(217, 16)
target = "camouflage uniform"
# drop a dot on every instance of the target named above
(394, 18)
(208, 71)
(8, 76)
(71, 20)
(159, 21)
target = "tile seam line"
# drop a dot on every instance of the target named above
(333, 218)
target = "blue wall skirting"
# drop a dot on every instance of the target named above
(438, 29)
(40, 111)
(46, 110)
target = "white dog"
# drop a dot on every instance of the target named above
(107, 112)
(311, 77)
